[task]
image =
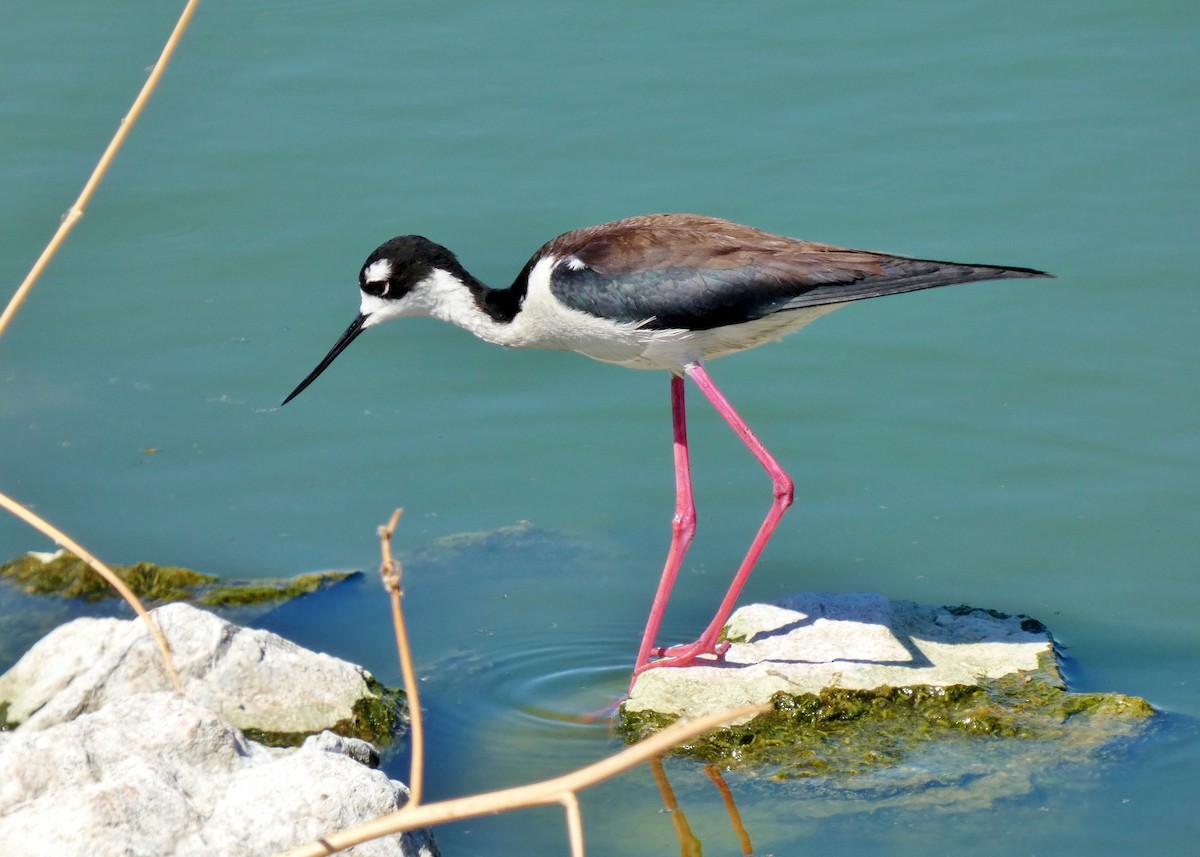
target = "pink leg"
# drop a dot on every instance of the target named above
(683, 527)
(783, 491)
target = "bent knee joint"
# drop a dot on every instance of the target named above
(684, 523)
(785, 491)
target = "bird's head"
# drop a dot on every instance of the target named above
(404, 276)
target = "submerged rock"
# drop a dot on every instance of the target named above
(269, 687)
(860, 683)
(65, 575)
(158, 773)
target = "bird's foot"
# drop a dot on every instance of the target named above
(684, 655)
(690, 651)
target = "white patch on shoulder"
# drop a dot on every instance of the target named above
(545, 322)
(378, 271)
(574, 263)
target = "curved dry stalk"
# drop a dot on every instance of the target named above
(76, 211)
(391, 572)
(101, 569)
(557, 790)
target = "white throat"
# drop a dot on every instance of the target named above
(443, 296)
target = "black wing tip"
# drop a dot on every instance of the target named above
(950, 273)
(1024, 273)
(976, 271)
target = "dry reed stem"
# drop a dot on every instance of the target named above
(101, 569)
(392, 573)
(76, 211)
(556, 790)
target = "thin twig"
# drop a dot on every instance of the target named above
(76, 211)
(574, 824)
(392, 573)
(101, 569)
(534, 794)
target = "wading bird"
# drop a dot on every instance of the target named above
(660, 291)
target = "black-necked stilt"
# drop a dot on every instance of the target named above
(661, 291)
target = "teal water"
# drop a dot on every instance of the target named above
(1030, 447)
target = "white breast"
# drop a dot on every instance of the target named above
(545, 322)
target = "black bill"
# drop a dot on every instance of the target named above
(355, 328)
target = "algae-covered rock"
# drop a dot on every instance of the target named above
(270, 688)
(65, 575)
(859, 683)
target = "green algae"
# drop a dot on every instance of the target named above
(726, 637)
(65, 575)
(379, 717)
(840, 732)
(242, 593)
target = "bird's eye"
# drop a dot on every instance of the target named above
(378, 288)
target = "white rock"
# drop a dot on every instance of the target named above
(252, 678)
(861, 641)
(156, 774)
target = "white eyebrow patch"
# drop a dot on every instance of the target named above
(378, 271)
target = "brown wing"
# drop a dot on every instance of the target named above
(695, 272)
(659, 241)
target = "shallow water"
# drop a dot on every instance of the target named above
(1024, 446)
